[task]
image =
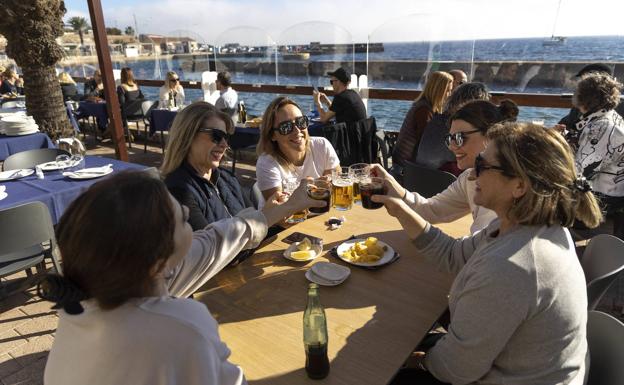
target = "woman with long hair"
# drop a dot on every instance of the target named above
(438, 87)
(130, 260)
(467, 138)
(520, 276)
(171, 94)
(286, 151)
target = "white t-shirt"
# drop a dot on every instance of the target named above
(322, 157)
(164, 96)
(228, 103)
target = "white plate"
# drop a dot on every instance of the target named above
(331, 271)
(84, 174)
(318, 250)
(15, 174)
(321, 281)
(388, 254)
(20, 133)
(52, 166)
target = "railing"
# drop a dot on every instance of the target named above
(522, 99)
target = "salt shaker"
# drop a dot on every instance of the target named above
(39, 172)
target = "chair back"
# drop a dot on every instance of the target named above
(353, 142)
(602, 261)
(255, 195)
(25, 228)
(380, 136)
(605, 340)
(426, 181)
(133, 110)
(31, 158)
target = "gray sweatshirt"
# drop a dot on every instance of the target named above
(518, 307)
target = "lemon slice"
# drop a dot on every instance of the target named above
(304, 245)
(302, 255)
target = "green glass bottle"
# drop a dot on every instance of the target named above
(315, 336)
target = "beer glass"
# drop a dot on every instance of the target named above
(358, 171)
(288, 186)
(342, 189)
(369, 187)
(320, 190)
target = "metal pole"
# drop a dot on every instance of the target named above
(106, 67)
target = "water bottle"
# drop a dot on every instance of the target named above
(315, 336)
(39, 172)
(242, 113)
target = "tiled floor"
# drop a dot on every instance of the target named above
(27, 323)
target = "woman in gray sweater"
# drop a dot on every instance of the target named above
(518, 303)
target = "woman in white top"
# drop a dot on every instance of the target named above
(286, 150)
(125, 317)
(171, 93)
(467, 138)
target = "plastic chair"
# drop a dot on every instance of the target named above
(27, 237)
(31, 158)
(605, 340)
(146, 109)
(602, 261)
(425, 181)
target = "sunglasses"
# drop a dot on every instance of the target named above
(216, 134)
(480, 165)
(287, 127)
(174, 79)
(459, 138)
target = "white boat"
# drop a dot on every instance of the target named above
(555, 40)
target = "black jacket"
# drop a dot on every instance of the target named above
(208, 201)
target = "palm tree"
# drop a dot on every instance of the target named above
(31, 28)
(80, 25)
(129, 31)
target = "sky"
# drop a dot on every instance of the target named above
(254, 22)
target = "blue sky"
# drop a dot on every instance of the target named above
(406, 20)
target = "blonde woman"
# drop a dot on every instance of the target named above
(197, 143)
(286, 151)
(520, 276)
(68, 86)
(438, 87)
(171, 93)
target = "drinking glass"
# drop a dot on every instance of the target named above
(76, 162)
(358, 171)
(320, 190)
(369, 187)
(62, 161)
(288, 186)
(342, 189)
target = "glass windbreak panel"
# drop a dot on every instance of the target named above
(402, 52)
(248, 54)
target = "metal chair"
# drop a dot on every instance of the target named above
(605, 340)
(26, 239)
(426, 181)
(132, 112)
(31, 158)
(146, 108)
(602, 261)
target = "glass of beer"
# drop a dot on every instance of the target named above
(369, 187)
(320, 190)
(358, 171)
(288, 186)
(342, 189)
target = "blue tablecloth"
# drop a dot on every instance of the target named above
(55, 190)
(161, 120)
(95, 109)
(10, 145)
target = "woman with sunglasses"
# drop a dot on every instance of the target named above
(197, 143)
(171, 93)
(467, 138)
(286, 150)
(518, 303)
(124, 314)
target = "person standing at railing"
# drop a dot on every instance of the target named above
(171, 93)
(347, 106)
(228, 98)
(431, 101)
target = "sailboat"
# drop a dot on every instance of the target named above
(555, 40)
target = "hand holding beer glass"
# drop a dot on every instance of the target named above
(359, 171)
(320, 189)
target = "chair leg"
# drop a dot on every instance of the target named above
(145, 134)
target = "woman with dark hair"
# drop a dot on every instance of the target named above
(432, 151)
(94, 87)
(124, 315)
(520, 276)
(599, 154)
(467, 138)
(130, 97)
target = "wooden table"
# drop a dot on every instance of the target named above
(375, 318)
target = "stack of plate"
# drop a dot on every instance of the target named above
(18, 124)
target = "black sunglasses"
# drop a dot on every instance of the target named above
(480, 165)
(216, 134)
(287, 127)
(174, 79)
(458, 138)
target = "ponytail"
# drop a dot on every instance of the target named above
(508, 109)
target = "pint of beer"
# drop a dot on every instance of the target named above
(342, 189)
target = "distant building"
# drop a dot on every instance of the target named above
(171, 44)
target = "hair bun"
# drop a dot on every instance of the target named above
(55, 288)
(508, 110)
